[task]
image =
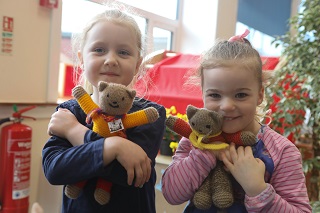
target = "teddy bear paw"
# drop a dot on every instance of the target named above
(78, 92)
(152, 114)
(202, 201)
(101, 196)
(72, 191)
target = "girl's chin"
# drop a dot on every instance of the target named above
(230, 131)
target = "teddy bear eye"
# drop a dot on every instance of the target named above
(108, 95)
(208, 126)
(123, 98)
(192, 123)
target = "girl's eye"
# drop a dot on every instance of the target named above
(124, 52)
(99, 50)
(241, 95)
(215, 95)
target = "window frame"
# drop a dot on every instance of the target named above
(154, 20)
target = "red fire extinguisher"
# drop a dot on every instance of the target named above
(15, 160)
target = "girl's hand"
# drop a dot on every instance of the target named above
(131, 156)
(64, 124)
(245, 168)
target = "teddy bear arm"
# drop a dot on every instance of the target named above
(86, 103)
(179, 126)
(233, 138)
(139, 118)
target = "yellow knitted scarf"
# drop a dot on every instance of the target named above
(196, 140)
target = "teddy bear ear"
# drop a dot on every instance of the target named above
(191, 110)
(102, 85)
(132, 93)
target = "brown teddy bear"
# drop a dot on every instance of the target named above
(109, 119)
(204, 131)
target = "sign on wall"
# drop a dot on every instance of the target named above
(6, 42)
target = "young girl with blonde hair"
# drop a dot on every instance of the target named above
(268, 176)
(109, 49)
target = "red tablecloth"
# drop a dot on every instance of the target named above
(168, 86)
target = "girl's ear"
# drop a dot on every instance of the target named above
(80, 58)
(138, 65)
(260, 96)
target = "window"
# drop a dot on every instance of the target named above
(158, 21)
(165, 8)
(161, 39)
(266, 20)
(259, 40)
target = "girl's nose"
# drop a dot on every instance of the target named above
(227, 104)
(110, 60)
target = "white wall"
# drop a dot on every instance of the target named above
(29, 74)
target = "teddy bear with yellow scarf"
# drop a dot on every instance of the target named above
(204, 131)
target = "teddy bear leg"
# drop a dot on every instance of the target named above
(102, 192)
(202, 198)
(73, 191)
(222, 193)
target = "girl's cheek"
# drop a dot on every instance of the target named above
(211, 106)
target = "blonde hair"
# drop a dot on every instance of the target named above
(227, 54)
(117, 15)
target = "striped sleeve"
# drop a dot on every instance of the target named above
(190, 166)
(286, 191)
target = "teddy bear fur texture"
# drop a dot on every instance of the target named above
(110, 118)
(204, 131)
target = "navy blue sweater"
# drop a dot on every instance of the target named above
(64, 164)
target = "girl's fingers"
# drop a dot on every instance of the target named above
(139, 179)
(233, 153)
(130, 174)
(143, 173)
(248, 150)
(240, 151)
(148, 170)
(226, 161)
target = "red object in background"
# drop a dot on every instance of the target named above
(49, 3)
(15, 162)
(7, 24)
(269, 63)
(67, 91)
(276, 99)
(168, 79)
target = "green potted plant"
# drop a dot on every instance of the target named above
(297, 87)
